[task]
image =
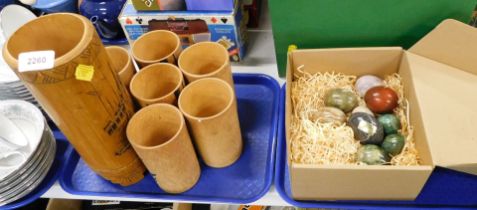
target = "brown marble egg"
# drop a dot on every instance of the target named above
(327, 115)
(331, 114)
(381, 99)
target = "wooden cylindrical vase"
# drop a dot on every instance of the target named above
(157, 83)
(159, 135)
(82, 93)
(206, 59)
(122, 63)
(210, 108)
(155, 47)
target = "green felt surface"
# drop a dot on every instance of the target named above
(358, 23)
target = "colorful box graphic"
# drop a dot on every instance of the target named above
(226, 28)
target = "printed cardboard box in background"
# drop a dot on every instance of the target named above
(156, 5)
(226, 28)
(439, 74)
(192, 5)
(252, 10)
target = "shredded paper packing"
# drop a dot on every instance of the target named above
(333, 143)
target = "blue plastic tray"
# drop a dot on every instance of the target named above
(444, 189)
(244, 182)
(61, 146)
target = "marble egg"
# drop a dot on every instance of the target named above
(342, 99)
(366, 128)
(390, 122)
(372, 155)
(362, 109)
(366, 82)
(381, 99)
(329, 115)
(393, 144)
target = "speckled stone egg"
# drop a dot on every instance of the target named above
(366, 128)
(390, 122)
(372, 155)
(393, 144)
(366, 82)
(362, 109)
(381, 99)
(342, 99)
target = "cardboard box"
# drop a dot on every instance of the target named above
(157, 5)
(440, 79)
(252, 10)
(63, 204)
(210, 5)
(227, 28)
(182, 206)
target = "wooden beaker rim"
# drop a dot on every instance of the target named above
(43, 24)
(117, 50)
(207, 82)
(137, 118)
(143, 74)
(203, 47)
(148, 35)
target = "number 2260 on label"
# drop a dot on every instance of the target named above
(36, 61)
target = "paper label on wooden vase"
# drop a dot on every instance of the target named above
(84, 72)
(36, 60)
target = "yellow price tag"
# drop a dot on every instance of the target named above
(84, 72)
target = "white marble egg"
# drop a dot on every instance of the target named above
(366, 82)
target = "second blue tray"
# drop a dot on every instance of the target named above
(445, 189)
(245, 181)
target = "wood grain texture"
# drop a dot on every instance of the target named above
(156, 47)
(159, 135)
(92, 114)
(210, 108)
(157, 83)
(122, 63)
(204, 60)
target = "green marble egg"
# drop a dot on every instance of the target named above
(393, 144)
(372, 155)
(390, 122)
(342, 99)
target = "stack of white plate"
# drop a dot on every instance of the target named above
(11, 87)
(12, 17)
(27, 149)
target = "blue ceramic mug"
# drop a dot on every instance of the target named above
(55, 6)
(104, 16)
